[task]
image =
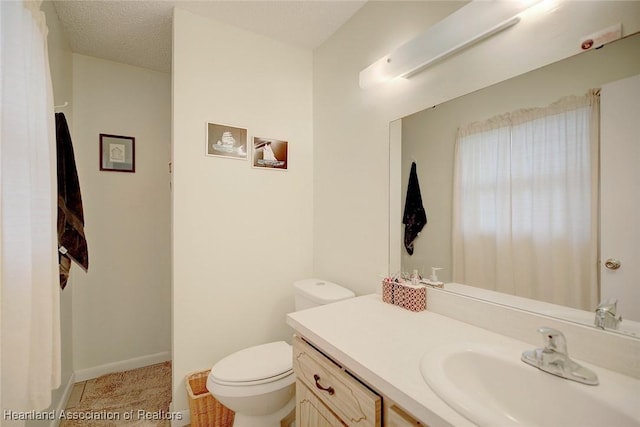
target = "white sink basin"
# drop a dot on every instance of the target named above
(491, 387)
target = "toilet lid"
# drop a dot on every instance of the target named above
(254, 363)
(322, 291)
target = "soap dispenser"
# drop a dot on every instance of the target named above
(415, 278)
(433, 279)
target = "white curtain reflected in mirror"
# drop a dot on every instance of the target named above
(524, 207)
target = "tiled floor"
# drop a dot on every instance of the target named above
(76, 394)
(123, 394)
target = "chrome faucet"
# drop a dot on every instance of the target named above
(553, 358)
(606, 315)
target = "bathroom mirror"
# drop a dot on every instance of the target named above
(428, 137)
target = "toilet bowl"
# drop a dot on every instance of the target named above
(258, 383)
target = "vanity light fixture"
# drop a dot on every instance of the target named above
(465, 27)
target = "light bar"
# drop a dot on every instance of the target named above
(467, 26)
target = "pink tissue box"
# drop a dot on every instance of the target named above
(405, 295)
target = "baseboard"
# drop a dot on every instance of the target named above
(62, 403)
(180, 418)
(123, 365)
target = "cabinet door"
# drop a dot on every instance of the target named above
(311, 412)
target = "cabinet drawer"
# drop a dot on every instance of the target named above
(396, 417)
(350, 400)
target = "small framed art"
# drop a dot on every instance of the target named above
(226, 141)
(270, 153)
(117, 153)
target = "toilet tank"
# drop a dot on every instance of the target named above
(314, 292)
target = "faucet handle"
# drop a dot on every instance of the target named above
(606, 315)
(554, 340)
(609, 305)
(553, 358)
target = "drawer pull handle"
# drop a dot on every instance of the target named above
(329, 389)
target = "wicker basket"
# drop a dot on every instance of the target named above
(205, 410)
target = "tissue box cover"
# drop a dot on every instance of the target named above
(388, 290)
(406, 295)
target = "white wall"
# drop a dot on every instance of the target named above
(241, 236)
(351, 126)
(121, 307)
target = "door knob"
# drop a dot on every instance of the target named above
(612, 264)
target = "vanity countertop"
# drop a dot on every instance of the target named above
(383, 344)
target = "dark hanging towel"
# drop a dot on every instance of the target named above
(415, 217)
(72, 244)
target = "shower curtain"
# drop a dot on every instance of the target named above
(30, 294)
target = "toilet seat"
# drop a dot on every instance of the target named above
(254, 365)
(256, 382)
(244, 389)
(253, 371)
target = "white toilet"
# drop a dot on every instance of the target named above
(258, 383)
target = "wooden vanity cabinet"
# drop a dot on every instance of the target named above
(327, 395)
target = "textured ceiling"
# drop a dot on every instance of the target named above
(138, 32)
